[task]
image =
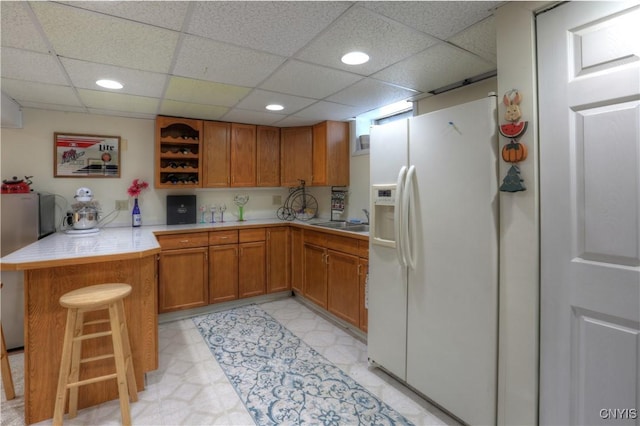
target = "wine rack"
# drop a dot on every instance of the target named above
(178, 152)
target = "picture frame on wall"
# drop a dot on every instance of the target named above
(79, 155)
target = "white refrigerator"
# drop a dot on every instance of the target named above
(433, 268)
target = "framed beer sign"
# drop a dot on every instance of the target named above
(77, 155)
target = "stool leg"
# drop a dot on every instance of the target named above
(65, 365)
(126, 345)
(118, 350)
(7, 379)
(76, 353)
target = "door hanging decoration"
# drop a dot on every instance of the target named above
(513, 151)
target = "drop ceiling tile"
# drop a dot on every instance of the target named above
(312, 81)
(93, 37)
(479, 39)
(384, 40)
(293, 121)
(438, 66)
(143, 83)
(126, 114)
(165, 14)
(18, 29)
(330, 111)
(29, 91)
(53, 107)
(118, 102)
(204, 92)
(281, 28)
(441, 19)
(253, 117)
(205, 59)
(259, 99)
(199, 111)
(370, 92)
(31, 66)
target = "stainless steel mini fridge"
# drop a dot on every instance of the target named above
(24, 219)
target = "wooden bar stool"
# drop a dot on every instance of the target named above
(7, 378)
(78, 302)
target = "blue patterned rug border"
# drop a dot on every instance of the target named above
(283, 381)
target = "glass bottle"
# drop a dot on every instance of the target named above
(136, 217)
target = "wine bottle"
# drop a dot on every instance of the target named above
(136, 217)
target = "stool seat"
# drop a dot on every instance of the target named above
(79, 302)
(95, 295)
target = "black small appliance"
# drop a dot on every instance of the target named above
(181, 209)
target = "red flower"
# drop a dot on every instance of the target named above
(137, 186)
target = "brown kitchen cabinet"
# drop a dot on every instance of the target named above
(216, 148)
(315, 274)
(223, 266)
(363, 272)
(296, 153)
(267, 156)
(243, 155)
(343, 286)
(331, 154)
(178, 151)
(252, 280)
(183, 271)
(297, 266)
(278, 259)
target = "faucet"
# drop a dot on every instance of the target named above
(366, 212)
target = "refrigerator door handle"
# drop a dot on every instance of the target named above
(398, 216)
(408, 208)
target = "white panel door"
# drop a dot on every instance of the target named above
(452, 339)
(589, 92)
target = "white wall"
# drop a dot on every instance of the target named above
(29, 151)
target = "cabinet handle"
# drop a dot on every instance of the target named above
(184, 241)
(236, 251)
(359, 267)
(241, 251)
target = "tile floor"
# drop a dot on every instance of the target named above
(190, 388)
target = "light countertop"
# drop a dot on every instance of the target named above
(61, 249)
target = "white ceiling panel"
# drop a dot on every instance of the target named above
(165, 14)
(225, 60)
(313, 81)
(18, 29)
(434, 68)
(238, 115)
(118, 102)
(330, 111)
(30, 91)
(439, 18)
(259, 99)
(385, 40)
(32, 66)
(143, 83)
(277, 27)
(192, 110)
(370, 91)
(204, 92)
(199, 58)
(479, 39)
(118, 113)
(79, 34)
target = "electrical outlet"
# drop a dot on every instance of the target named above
(276, 200)
(122, 204)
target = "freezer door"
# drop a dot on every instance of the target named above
(19, 221)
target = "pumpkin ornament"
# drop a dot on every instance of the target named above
(514, 151)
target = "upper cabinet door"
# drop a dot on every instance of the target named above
(243, 154)
(217, 153)
(268, 156)
(296, 148)
(331, 153)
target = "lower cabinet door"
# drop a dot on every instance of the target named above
(363, 272)
(223, 273)
(343, 286)
(315, 274)
(251, 269)
(278, 259)
(183, 279)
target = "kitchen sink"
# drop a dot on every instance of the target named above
(353, 227)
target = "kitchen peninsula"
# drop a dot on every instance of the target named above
(61, 263)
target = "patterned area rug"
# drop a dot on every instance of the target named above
(282, 380)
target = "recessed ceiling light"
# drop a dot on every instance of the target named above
(355, 58)
(109, 84)
(274, 107)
